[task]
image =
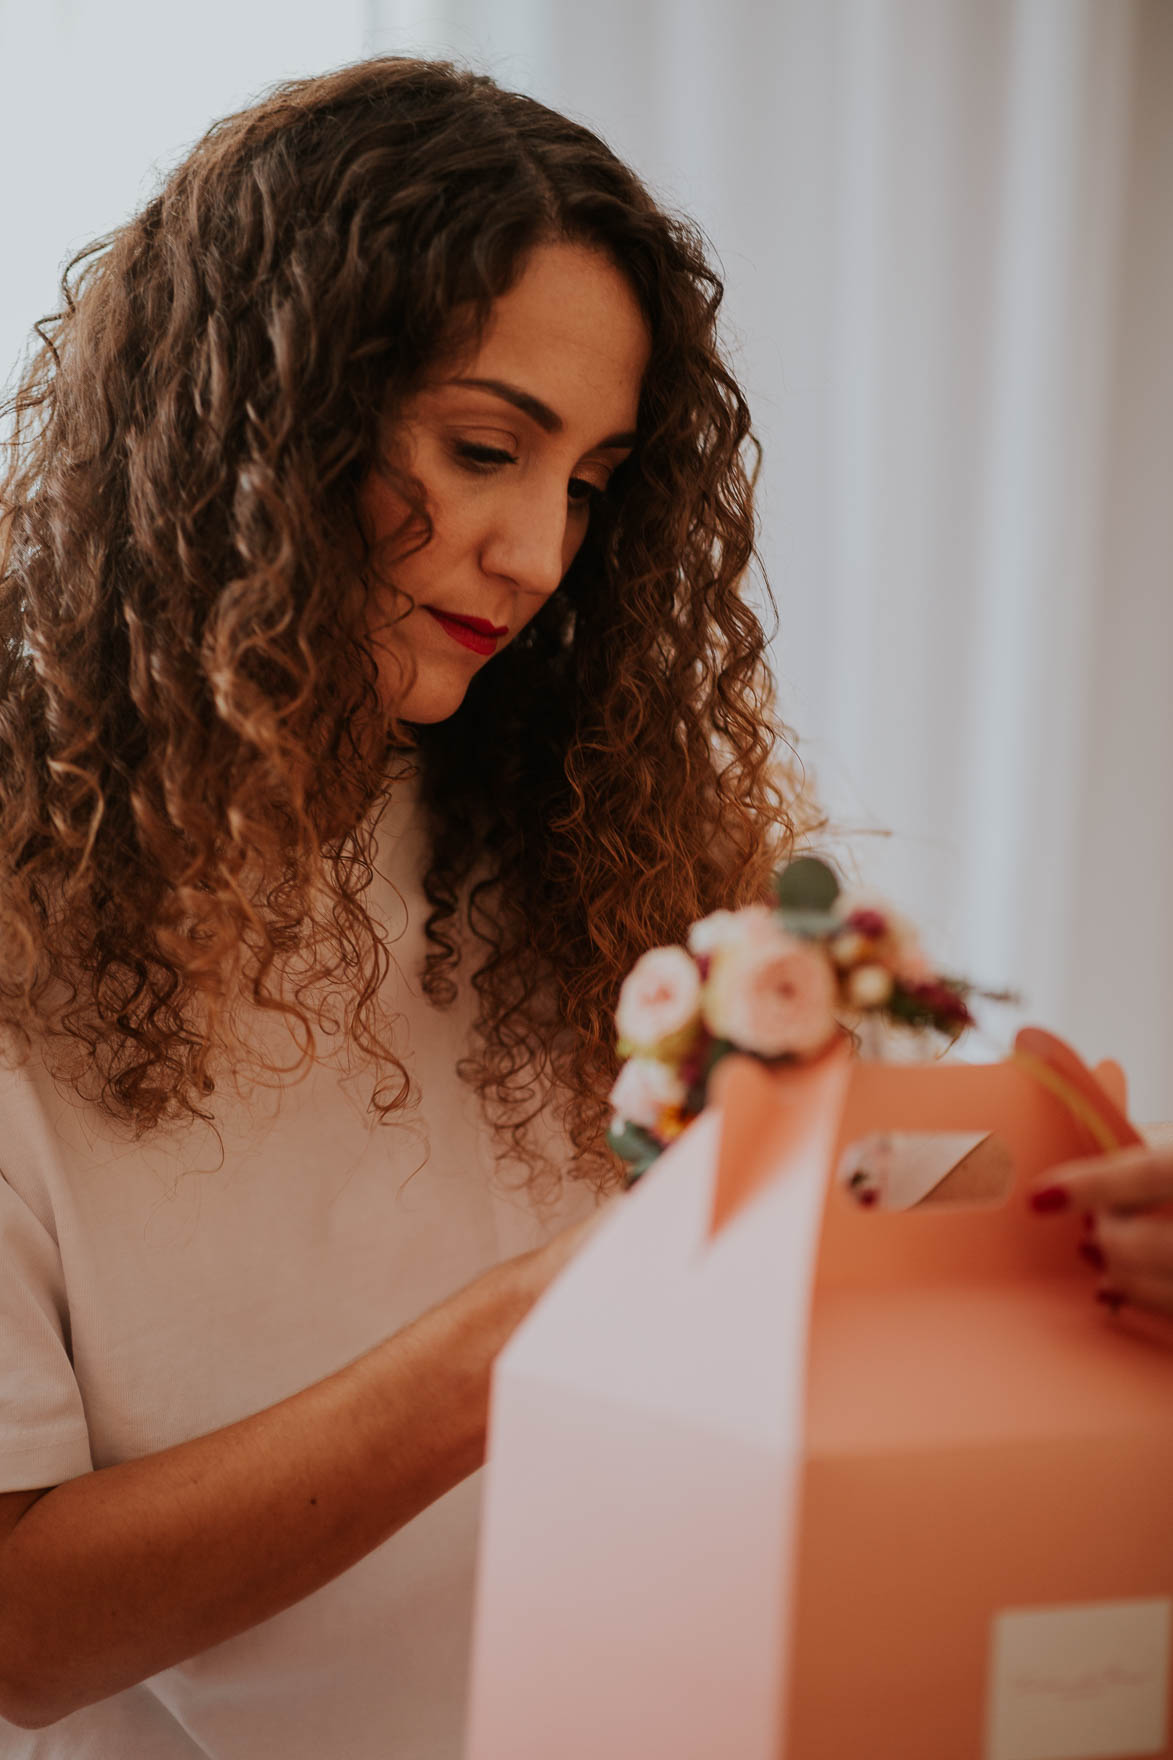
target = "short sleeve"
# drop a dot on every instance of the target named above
(43, 1433)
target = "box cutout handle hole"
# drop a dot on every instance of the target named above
(898, 1170)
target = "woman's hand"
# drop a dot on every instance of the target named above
(1127, 1199)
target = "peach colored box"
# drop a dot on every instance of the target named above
(771, 1475)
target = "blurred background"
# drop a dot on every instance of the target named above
(946, 232)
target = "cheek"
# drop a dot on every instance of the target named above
(455, 514)
(403, 554)
(382, 514)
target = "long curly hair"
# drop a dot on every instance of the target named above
(192, 742)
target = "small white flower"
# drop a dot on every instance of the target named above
(659, 999)
(848, 947)
(869, 986)
(644, 1088)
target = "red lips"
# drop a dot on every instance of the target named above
(482, 627)
(469, 632)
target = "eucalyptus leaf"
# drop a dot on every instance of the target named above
(814, 925)
(634, 1144)
(806, 884)
(637, 1169)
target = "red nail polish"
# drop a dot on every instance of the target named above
(1111, 1298)
(1049, 1198)
(1093, 1254)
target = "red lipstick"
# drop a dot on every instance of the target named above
(478, 623)
(470, 632)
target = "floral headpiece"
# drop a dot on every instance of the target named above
(777, 982)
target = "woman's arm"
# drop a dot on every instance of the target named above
(110, 1577)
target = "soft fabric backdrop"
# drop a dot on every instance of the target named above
(947, 238)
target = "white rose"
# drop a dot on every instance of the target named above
(659, 999)
(644, 1088)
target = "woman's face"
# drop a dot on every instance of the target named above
(511, 447)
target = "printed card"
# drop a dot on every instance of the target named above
(1087, 1682)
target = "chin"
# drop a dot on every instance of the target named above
(430, 700)
(429, 716)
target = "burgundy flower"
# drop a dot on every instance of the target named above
(869, 923)
(942, 1001)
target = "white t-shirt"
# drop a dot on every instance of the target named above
(150, 1294)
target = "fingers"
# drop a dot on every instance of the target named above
(1152, 1294)
(1135, 1246)
(1125, 1197)
(1134, 1255)
(1131, 1179)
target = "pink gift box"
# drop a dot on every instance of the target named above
(771, 1475)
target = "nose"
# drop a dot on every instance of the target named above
(527, 542)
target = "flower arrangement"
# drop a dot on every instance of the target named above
(780, 982)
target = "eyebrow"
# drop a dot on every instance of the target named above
(541, 413)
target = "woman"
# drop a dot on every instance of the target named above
(377, 686)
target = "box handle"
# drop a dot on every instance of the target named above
(1042, 1101)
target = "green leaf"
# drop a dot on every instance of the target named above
(635, 1170)
(806, 884)
(718, 1049)
(637, 1146)
(696, 1099)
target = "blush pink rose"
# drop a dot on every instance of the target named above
(660, 998)
(772, 994)
(644, 1090)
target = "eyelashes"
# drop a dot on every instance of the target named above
(484, 460)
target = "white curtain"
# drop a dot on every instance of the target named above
(98, 97)
(947, 236)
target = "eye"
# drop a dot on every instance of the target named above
(482, 458)
(582, 493)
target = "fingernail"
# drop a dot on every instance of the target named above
(1049, 1198)
(1093, 1254)
(1111, 1298)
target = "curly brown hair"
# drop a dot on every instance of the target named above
(191, 737)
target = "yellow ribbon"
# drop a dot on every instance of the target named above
(1076, 1102)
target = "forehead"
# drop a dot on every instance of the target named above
(571, 332)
